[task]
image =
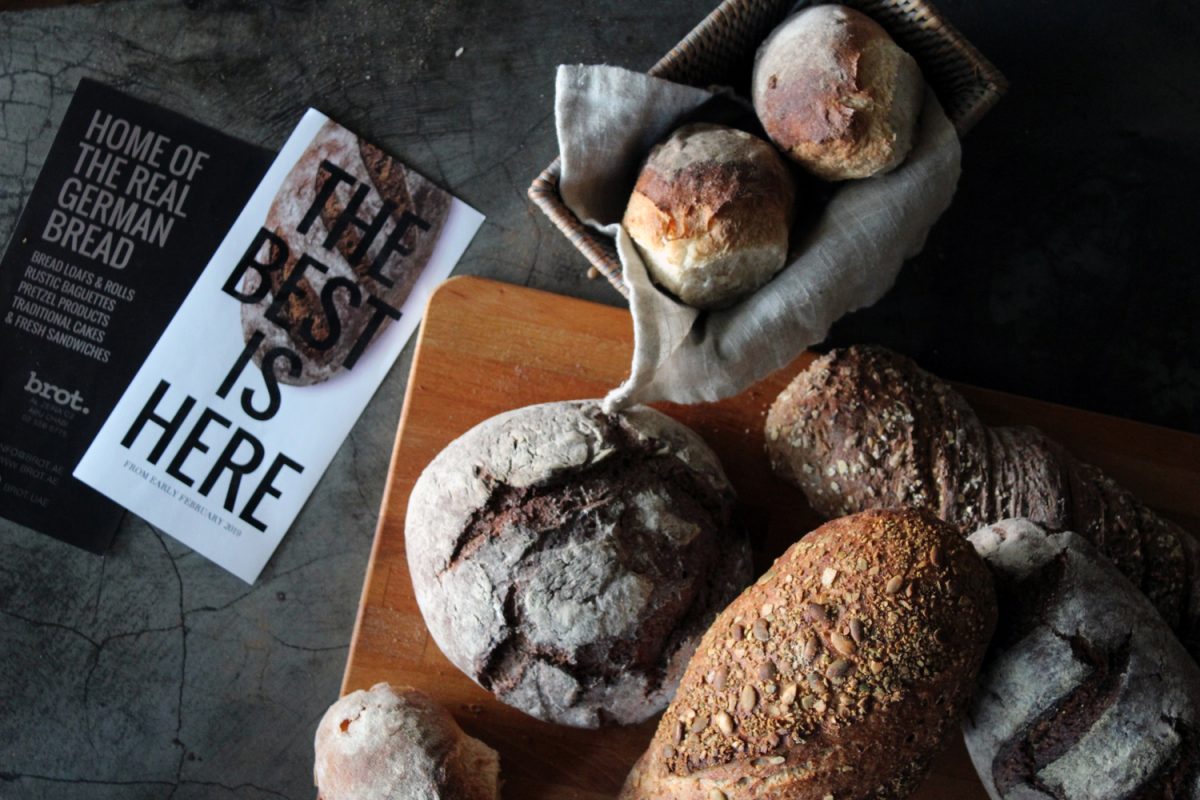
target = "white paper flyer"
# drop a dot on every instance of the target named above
(240, 407)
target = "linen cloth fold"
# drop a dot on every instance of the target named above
(608, 118)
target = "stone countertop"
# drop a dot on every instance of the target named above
(1065, 271)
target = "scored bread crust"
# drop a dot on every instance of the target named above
(1085, 691)
(568, 560)
(836, 94)
(396, 743)
(864, 427)
(837, 673)
(710, 214)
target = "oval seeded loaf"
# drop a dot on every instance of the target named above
(837, 674)
(396, 743)
(1085, 692)
(568, 560)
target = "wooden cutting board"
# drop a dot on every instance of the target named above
(488, 347)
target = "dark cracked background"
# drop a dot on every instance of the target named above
(1066, 270)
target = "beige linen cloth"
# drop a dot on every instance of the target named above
(608, 118)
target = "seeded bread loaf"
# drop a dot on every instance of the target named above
(395, 743)
(865, 427)
(568, 560)
(1085, 692)
(837, 674)
(836, 94)
(711, 213)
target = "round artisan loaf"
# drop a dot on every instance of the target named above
(710, 214)
(837, 674)
(836, 94)
(568, 560)
(395, 743)
(1085, 691)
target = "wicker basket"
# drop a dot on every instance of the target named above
(720, 50)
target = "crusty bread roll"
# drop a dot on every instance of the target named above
(395, 743)
(836, 94)
(1085, 691)
(710, 214)
(837, 674)
(864, 427)
(568, 560)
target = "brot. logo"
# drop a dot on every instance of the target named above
(56, 393)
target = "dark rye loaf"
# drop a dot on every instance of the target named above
(568, 561)
(864, 427)
(1085, 692)
(837, 674)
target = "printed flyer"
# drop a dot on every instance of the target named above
(128, 207)
(240, 407)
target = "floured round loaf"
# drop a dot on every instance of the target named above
(1085, 691)
(838, 673)
(395, 743)
(711, 213)
(568, 560)
(836, 94)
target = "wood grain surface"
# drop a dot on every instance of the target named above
(487, 347)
